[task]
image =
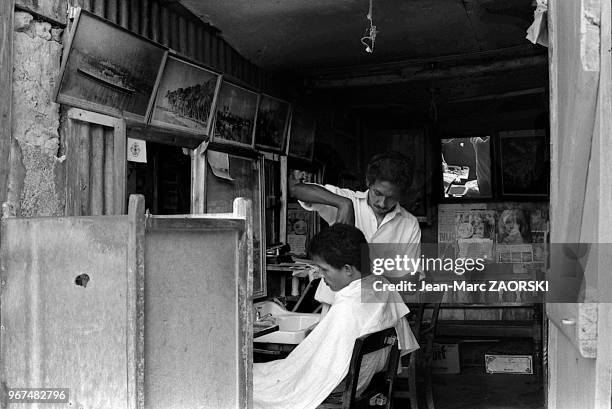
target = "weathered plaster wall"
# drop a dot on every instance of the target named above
(36, 184)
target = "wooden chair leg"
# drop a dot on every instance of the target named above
(429, 389)
(414, 401)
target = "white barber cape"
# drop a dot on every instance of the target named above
(316, 366)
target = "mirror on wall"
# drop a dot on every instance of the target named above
(229, 176)
(466, 167)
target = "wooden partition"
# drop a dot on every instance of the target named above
(197, 341)
(129, 311)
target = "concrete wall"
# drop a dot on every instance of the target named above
(35, 182)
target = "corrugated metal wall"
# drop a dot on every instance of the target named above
(180, 31)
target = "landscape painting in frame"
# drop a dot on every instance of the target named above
(272, 121)
(302, 135)
(109, 69)
(524, 163)
(236, 108)
(185, 97)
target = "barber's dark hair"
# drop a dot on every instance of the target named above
(390, 167)
(342, 244)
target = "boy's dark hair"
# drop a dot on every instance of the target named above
(342, 244)
(390, 167)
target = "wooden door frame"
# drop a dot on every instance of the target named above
(594, 223)
(7, 12)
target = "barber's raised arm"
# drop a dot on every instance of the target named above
(316, 194)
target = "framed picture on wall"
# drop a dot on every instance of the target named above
(272, 123)
(235, 112)
(302, 133)
(466, 167)
(115, 76)
(524, 165)
(185, 97)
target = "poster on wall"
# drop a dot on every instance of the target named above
(185, 97)
(116, 76)
(510, 234)
(234, 122)
(272, 123)
(475, 230)
(299, 229)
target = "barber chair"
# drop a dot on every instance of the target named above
(379, 392)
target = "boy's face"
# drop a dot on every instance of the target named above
(383, 196)
(335, 278)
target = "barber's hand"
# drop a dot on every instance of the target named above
(346, 213)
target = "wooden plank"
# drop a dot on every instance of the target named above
(198, 174)
(83, 167)
(91, 117)
(603, 375)
(574, 104)
(135, 301)
(70, 180)
(580, 341)
(260, 287)
(74, 195)
(97, 170)
(6, 92)
(195, 222)
(109, 171)
(243, 208)
(283, 198)
(415, 74)
(120, 167)
(164, 135)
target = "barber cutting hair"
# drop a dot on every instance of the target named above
(376, 212)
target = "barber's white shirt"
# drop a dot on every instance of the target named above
(398, 227)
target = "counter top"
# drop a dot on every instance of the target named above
(263, 328)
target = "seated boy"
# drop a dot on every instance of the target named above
(319, 364)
